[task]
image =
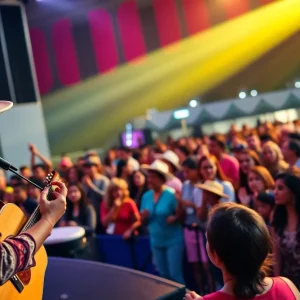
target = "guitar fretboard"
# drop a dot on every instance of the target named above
(36, 215)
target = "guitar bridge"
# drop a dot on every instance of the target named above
(17, 283)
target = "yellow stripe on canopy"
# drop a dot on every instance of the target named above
(98, 108)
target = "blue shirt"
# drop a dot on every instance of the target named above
(161, 233)
(187, 193)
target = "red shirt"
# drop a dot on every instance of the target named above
(279, 291)
(125, 217)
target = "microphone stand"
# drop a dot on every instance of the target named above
(5, 165)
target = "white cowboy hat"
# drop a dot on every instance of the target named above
(5, 105)
(159, 167)
(171, 157)
(213, 187)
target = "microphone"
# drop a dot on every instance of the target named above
(5, 165)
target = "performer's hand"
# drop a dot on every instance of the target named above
(54, 209)
(192, 296)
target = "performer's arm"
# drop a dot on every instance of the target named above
(17, 253)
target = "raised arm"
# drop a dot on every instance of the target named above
(35, 153)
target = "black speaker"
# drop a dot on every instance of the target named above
(16, 65)
(80, 279)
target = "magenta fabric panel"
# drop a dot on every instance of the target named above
(196, 15)
(167, 22)
(103, 39)
(65, 53)
(41, 60)
(131, 31)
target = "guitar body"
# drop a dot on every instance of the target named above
(12, 220)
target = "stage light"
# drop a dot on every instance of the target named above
(181, 114)
(193, 103)
(254, 93)
(128, 143)
(297, 84)
(242, 95)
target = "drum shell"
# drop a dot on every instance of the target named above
(68, 249)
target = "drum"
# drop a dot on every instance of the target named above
(66, 242)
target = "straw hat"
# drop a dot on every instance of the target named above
(5, 105)
(159, 167)
(171, 157)
(213, 187)
(92, 161)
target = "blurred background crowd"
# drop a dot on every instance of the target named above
(166, 190)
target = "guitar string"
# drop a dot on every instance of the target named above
(36, 214)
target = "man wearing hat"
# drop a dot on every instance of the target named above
(172, 160)
(95, 184)
(17, 253)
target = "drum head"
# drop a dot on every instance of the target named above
(65, 234)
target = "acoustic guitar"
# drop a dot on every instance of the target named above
(28, 284)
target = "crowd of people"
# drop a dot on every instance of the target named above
(167, 191)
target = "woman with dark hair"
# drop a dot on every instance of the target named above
(286, 224)
(265, 203)
(139, 186)
(109, 163)
(239, 243)
(73, 175)
(159, 208)
(80, 211)
(124, 171)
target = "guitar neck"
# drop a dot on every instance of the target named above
(36, 215)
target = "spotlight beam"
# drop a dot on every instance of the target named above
(167, 77)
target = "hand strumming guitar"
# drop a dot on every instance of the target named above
(51, 212)
(17, 253)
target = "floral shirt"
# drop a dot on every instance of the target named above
(16, 254)
(289, 246)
